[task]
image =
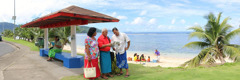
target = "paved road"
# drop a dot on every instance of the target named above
(5, 48)
(24, 64)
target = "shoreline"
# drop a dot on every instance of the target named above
(165, 61)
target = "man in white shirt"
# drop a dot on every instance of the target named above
(121, 49)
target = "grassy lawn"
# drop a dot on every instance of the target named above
(228, 71)
(30, 44)
(26, 43)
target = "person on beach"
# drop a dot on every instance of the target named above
(104, 43)
(135, 57)
(91, 52)
(57, 48)
(129, 58)
(157, 53)
(142, 58)
(148, 60)
(138, 58)
(121, 54)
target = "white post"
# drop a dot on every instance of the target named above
(46, 38)
(14, 18)
(73, 41)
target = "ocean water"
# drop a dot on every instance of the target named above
(169, 44)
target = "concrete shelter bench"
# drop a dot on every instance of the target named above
(68, 60)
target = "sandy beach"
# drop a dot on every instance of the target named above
(164, 61)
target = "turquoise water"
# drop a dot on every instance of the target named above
(169, 44)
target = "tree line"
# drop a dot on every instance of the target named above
(32, 34)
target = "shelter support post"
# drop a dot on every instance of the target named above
(46, 38)
(73, 41)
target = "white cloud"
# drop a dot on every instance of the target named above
(143, 13)
(196, 23)
(183, 21)
(178, 4)
(152, 21)
(171, 27)
(127, 9)
(137, 21)
(167, 27)
(186, 1)
(26, 10)
(160, 26)
(187, 27)
(160, 10)
(122, 17)
(225, 5)
(223, 1)
(114, 14)
(127, 22)
(173, 21)
(235, 22)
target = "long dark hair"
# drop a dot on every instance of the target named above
(57, 38)
(141, 57)
(135, 54)
(91, 31)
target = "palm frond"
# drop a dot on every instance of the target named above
(196, 61)
(200, 35)
(225, 29)
(232, 52)
(232, 34)
(234, 45)
(223, 24)
(211, 60)
(196, 29)
(197, 44)
(218, 18)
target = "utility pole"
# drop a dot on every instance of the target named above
(14, 18)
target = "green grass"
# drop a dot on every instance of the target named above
(228, 71)
(30, 44)
(25, 43)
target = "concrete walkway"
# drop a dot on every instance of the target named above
(23, 64)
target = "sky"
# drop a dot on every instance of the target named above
(134, 15)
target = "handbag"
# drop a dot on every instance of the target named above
(90, 72)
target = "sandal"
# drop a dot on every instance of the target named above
(109, 75)
(126, 76)
(99, 77)
(104, 77)
(119, 74)
(49, 60)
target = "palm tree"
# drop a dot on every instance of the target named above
(63, 33)
(7, 33)
(37, 32)
(215, 42)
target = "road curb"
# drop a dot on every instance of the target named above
(17, 48)
(12, 44)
